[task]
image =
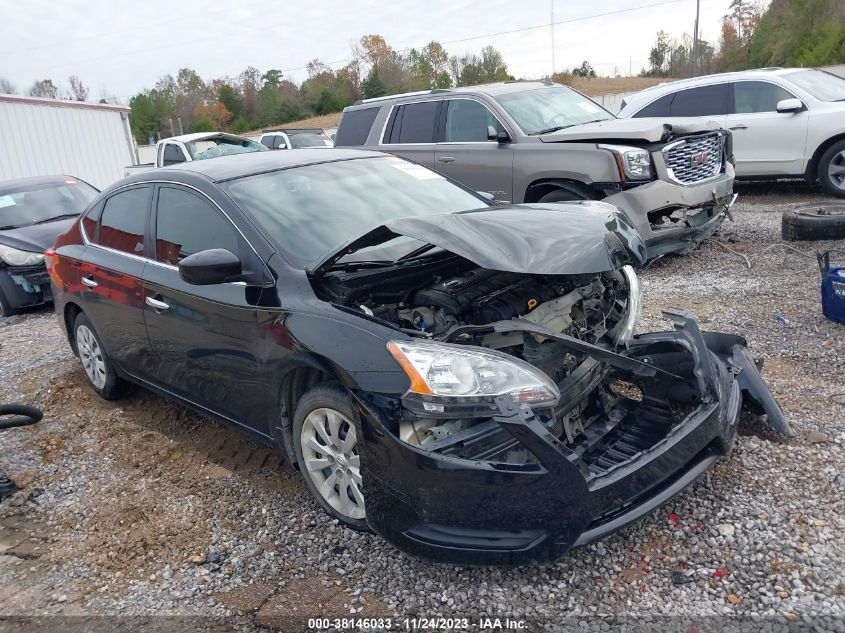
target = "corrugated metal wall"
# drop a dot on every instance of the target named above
(40, 139)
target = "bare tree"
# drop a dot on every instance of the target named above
(7, 87)
(78, 91)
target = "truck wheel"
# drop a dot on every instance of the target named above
(96, 363)
(563, 195)
(825, 221)
(832, 170)
(326, 445)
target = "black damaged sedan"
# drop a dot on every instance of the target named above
(461, 378)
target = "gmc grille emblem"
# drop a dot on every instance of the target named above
(696, 160)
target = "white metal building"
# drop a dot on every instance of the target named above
(41, 137)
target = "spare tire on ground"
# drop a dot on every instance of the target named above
(818, 221)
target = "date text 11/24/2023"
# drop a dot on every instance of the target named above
(481, 623)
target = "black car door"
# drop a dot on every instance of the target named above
(109, 272)
(204, 337)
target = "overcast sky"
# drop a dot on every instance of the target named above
(123, 47)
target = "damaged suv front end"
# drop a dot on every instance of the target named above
(534, 420)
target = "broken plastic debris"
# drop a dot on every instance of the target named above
(782, 318)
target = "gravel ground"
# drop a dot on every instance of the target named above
(143, 508)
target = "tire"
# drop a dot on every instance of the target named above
(325, 417)
(6, 310)
(96, 364)
(832, 170)
(825, 221)
(563, 195)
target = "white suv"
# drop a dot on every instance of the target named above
(785, 121)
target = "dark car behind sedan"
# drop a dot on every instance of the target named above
(460, 377)
(33, 212)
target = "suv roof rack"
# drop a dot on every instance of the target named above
(399, 95)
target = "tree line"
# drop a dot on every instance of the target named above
(255, 99)
(753, 35)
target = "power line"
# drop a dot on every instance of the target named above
(522, 29)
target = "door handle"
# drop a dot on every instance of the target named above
(89, 281)
(446, 159)
(155, 304)
(739, 126)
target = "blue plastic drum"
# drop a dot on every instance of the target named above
(833, 294)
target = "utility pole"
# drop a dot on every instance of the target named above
(552, 28)
(694, 65)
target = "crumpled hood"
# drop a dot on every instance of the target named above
(647, 130)
(37, 237)
(553, 239)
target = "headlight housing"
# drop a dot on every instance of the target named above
(17, 257)
(634, 163)
(442, 373)
(632, 314)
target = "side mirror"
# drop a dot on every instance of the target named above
(491, 133)
(211, 267)
(503, 137)
(789, 106)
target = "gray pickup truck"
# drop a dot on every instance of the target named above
(526, 142)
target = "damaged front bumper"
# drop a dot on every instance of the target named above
(674, 218)
(450, 507)
(25, 286)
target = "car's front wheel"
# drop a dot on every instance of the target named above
(832, 170)
(95, 361)
(326, 445)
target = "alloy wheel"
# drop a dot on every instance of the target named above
(330, 452)
(836, 170)
(91, 356)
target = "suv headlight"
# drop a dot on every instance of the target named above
(461, 374)
(634, 163)
(16, 257)
(635, 301)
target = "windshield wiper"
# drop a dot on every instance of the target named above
(6, 228)
(57, 217)
(381, 263)
(552, 129)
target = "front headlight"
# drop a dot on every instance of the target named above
(16, 257)
(633, 162)
(460, 374)
(635, 302)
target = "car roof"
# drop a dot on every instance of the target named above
(492, 89)
(647, 94)
(198, 136)
(238, 165)
(35, 181)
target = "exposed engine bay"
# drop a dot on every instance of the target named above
(439, 303)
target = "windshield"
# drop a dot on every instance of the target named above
(308, 139)
(43, 202)
(313, 210)
(823, 86)
(222, 146)
(550, 108)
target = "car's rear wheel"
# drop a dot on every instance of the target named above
(95, 361)
(832, 170)
(326, 445)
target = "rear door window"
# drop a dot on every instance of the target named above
(757, 96)
(187, 224)
(701, 101)
(412, 123)
(355, 126)
(123, 220)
